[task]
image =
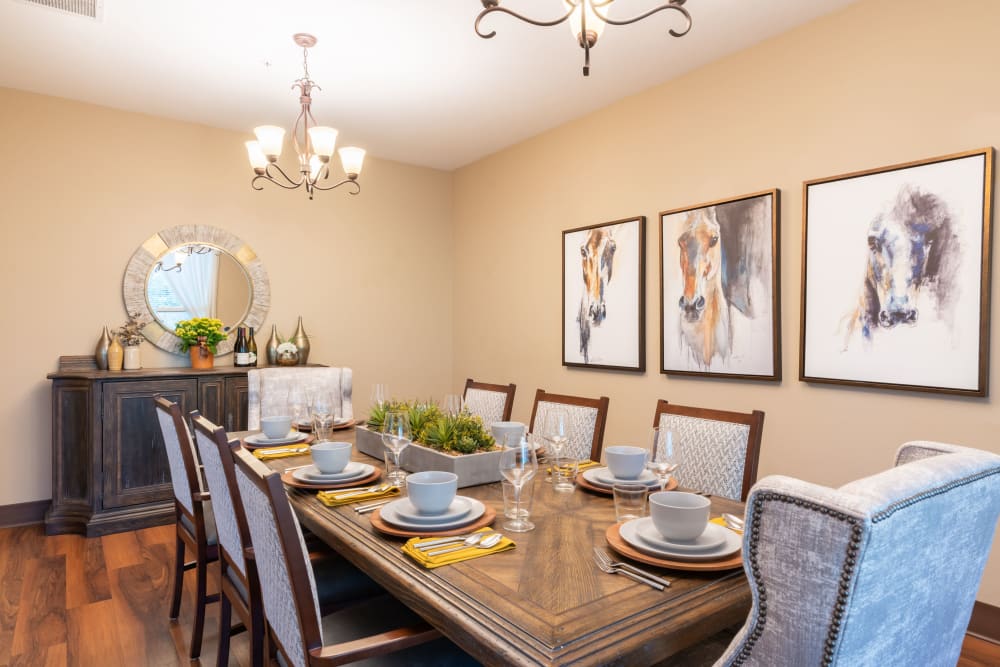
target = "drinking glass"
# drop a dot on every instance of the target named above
(322, 414)
(518, 464)
(556, 430)
(380, 394)
(630, 501)
(452, 404)
(298, 408)
(396, 436)
(662, 460)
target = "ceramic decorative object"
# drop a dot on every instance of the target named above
(116, 355)
(301, 341)
(288, 357)
(201, 357)
(101, 351)
(132, 359)
(272, 346)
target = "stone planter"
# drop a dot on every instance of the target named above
(472, 469)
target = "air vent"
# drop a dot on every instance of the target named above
(91, 9)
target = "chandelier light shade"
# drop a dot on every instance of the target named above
(586, 20)
(314, 144)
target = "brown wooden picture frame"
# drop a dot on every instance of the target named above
(737, 242)
(922, 324)
(605, 260)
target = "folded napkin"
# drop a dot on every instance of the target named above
(722, 522)
(329, 498)
(580, 465)
(468, 553)
(268, 453)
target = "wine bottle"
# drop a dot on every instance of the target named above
(241, 349)
(252, 348)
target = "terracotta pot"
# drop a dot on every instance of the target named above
(201, 357)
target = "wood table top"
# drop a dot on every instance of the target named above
(544, 602)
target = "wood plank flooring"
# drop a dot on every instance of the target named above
(103, 602)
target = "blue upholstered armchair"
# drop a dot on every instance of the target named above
(882, 571)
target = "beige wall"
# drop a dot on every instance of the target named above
(882, 82)
(83, 186)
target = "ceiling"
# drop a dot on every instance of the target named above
(409, 80)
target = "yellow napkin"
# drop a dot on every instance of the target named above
(468, 553)
(722, 522)
(329, 498)
(281, 452)
(580, 465)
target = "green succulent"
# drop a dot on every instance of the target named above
(459, 434)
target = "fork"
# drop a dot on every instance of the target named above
(357, 492)
(631, 575)
(605, 558)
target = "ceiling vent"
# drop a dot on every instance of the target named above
(91, 9)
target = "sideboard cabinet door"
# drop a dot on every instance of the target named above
(237, 402)
(135, 461)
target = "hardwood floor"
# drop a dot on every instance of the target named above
(68, 600)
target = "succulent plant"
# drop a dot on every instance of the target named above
(459, 434)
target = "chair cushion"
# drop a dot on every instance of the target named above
(210, 533)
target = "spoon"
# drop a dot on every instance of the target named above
(485, 541)
(378, 488)
(733, 522)
(471, 541)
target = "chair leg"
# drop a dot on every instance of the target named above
(175, 603)
(201, 593)
(225, 620)
(257, 631)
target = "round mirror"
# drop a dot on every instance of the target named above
(195, 271)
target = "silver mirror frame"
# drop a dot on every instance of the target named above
(156, 246)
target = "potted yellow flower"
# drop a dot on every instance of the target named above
(199, 336)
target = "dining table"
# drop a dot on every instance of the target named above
(545, 602)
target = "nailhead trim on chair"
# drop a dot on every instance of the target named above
(906, 502)
(846, 574)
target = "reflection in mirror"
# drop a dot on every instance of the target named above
(198, 281)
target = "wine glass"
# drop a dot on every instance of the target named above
(321, 411)
(380, 394)
(396, 436)
(518, 464)
(298, 408)
(452, 404)
(662, 460)
(556, 430)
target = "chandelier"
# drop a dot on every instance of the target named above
(586, 20)
(314, 144)
(181, 255)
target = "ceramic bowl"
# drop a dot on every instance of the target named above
(432, 491)
(331, 457)
(678, 515)
(503, 430)
(625, 461)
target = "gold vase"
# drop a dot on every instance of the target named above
(101, 351)
(116, 355)
(301, 341)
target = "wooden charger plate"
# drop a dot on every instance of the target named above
(614, 538)
(583, 483)
(287, 478)
(249, 446)
(386, 528)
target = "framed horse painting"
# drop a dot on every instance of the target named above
(604, 300)
(896, 276)
(719, 292)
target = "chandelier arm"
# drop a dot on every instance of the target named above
(673, 4)
(543, 24)
(269, 176)
(357, 186)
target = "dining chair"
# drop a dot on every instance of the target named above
(491, 402)
(587, 418)
(338, 582)
(717, 450)
(194, 518)
(267, 389)
(882, 571)
(379, 627)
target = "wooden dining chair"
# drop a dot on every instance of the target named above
(717, 449)
(194, 518)
(491, 402)
(267, 389)
(379, 627)
(587, 418)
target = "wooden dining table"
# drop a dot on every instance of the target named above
(544, 602)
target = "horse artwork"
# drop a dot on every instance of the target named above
(913, 257)
(896, 274)
(605, 290)
(719, 288)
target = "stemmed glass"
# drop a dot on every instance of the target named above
(662, 460)
(518, 464)
(322, 414)
(555, 430)
(298, 408)
(396, 436)
(380, 394)
(452, 404)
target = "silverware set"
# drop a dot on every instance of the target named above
(606, 564)
(733, 522)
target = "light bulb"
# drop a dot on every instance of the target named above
(271, 138)
(324, 140)
(352, 158)
(315, 167)
(594, 24)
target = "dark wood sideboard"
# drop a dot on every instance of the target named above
(109, 467)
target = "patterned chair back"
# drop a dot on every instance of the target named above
(227, 523)
(287, 584)
(717, 450)
(184, 475)
(882, 571)
(586, 420)
(267, 389)
(491, 402)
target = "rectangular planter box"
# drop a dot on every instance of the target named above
(472, 469)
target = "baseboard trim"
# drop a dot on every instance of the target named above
(22, 514)
(985, 622)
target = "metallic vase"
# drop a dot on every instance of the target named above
(101, 351)
(301, 341)
(272, 346)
